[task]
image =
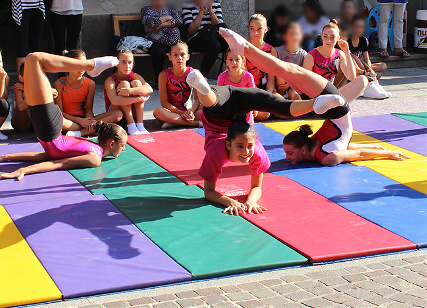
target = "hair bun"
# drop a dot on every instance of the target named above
(334, 21)
(240, 117)
(306, 129)
(100, 127)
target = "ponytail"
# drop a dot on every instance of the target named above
(300, 137)
(108, 131)
(239, 127)
(332, 24)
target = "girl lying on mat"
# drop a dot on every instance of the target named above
(331, 146)
(62, 152)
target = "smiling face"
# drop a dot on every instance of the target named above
(179, 55)
(234, 62)
(257, 29)
(125, 65)
(330, 37)
(242, 148)
(294, 154)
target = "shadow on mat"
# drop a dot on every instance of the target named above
(87, 215)
(64, 188)
(388, 136)
(395, 190)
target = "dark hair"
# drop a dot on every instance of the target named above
(315, 6)
(288, 26)
(124, 51)
(180, 43)
(21, 68)
(345, 1)
(332, 24)
(239, 127)
(300, 137)
(108, 131)
(357, 18)
(75, 53)
(229, 51)
(280, 10)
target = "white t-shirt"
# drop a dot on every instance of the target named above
(310, 29)
(67, 7)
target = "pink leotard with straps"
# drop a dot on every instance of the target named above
(116, 83)
(65, 147)
(177, 88)
(326, 67)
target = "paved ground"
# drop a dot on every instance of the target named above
(396, 280)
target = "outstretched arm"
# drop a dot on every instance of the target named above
(254, 195)
(337, 158)
(26, 156)
(232, 206)
(89, 160)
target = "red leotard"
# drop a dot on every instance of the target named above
(326, 67)
(178, 89)
(116, 83)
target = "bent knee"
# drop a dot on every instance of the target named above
(362, 80)
(135, 83)
(124, 84)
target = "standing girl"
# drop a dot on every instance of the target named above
(326, 59)
(127, 91)
(175, 93)
(76, 94)
(257, 30)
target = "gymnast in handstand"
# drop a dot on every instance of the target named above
(62, 152)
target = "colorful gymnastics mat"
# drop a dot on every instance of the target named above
(141, 220)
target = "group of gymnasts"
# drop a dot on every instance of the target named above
(226, 111)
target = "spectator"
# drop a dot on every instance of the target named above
(161, 24)
(4, 93)
(312, 23)
(21, 121)
(398, 13)
(348, 11)
(29, 18)
(202, 19)
(66, 23)
(278, 20)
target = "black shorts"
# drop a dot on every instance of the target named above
(47, 121)
(329, 89)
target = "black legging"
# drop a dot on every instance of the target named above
(232, 101)
(65, 31)
(29, 33)
(158, 54)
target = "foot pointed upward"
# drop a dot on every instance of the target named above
(196, 80)
(101, 64)
(235, 41)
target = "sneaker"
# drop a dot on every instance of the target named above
(380, 88)
(374, 91)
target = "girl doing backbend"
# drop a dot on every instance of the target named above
(62, 152)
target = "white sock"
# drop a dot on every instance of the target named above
(101, 64)
(168, 125)
(74, 133)
(235, 41)
(196, 80)
(133, 130)
(3, 137)
(325, 102)
(142, 128)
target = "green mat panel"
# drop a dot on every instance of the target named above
(199, 236)
(419, 118)
(130, 171)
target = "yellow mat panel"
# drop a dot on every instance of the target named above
(23, 279)
(411, 172)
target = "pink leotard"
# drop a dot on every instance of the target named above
(247, 80)
(178, 89)
(65, 147)
(326, 67)
(116, 83)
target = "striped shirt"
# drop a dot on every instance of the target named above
(18, 6)
(190, 12)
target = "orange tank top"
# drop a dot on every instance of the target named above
(74, 100)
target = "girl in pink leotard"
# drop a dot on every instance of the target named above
(62, 152)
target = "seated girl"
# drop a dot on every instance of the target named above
(127, 91)
(76, 94)
(178, 107)
(257, 30)
(358, 45)
(21, 121)
(326, 59)
(4, 93)
(331, 146)
(62, 152)
(290, 52)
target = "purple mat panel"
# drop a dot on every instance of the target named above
(89, 247)
(394, 130)
(19, 148)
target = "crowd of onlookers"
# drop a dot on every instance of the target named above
(334, 48)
